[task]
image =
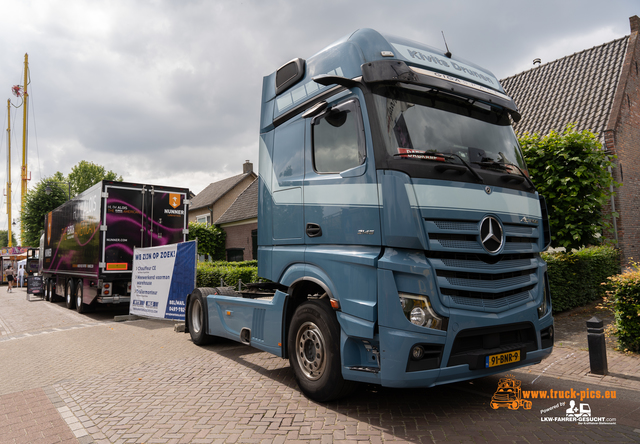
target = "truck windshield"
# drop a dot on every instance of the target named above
(432, 134)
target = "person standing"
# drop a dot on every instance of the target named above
(21, 275)
(10, 278)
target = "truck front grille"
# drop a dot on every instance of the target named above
(469, 278)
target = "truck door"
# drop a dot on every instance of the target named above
(340, 189)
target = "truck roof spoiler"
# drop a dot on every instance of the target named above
(397, 71)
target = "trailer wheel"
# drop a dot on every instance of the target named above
(69, 294)
(51, 290)
(47, 295)
(80, 306)
(197, 316)
(314, 353)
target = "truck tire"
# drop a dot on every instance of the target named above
(226, 291)
(197, 316)
(51, 289)
(70, 294)
(80, 306)
(314, 352)
(47, 294)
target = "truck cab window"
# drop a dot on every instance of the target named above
(337, 145)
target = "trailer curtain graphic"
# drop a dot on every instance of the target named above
(162, 279)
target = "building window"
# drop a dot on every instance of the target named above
(235, 254)
(205, 218)
(254, 244)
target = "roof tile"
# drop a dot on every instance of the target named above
(244, 207)
(567, 90)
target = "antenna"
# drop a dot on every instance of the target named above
(448, 53)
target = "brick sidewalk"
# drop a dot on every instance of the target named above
(571, 364)
(30, 417)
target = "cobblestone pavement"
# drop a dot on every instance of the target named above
(71, 378)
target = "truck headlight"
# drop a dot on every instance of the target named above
(418, 311)
(543, 309)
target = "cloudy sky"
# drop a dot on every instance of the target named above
(168, 91)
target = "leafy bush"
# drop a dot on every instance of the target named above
(570, 169)
(575, 278)
(623, 298)
(208, 274)
(211, 239)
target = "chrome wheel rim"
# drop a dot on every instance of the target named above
(311, 351)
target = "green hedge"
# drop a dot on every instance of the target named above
(576, 278)
(623, 298)
(208, 274)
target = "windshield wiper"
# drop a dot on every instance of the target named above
(506, 167)
(433, 156)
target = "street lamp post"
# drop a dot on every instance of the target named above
(48, 190)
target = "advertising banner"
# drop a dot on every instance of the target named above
(35, 285)
(162, 279)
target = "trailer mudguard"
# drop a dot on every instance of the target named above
(254, 322)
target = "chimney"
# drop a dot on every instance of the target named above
(247, 167)
(635, 23)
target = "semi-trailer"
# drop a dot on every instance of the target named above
(86, 250)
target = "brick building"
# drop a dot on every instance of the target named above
(599, 90)
(211, 203)
(240, 222)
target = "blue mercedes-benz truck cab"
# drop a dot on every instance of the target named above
(396, 220)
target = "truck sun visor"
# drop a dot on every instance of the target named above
(288, 74)
(397, 71)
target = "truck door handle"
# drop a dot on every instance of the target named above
(313, 230)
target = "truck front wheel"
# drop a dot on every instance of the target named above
(69, 294)
(314, 352)
(197, 316)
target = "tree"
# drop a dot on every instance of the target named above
(86, 174)
(211, 240)
(4, 237)
(37, 204)
(51, 192)
(570, 169)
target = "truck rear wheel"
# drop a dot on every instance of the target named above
(197, 316)
(314, 352)
(69, 294)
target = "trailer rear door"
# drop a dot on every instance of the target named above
(169, 221)
(140, 216)
(125, 226)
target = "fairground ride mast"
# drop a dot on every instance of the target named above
(24, 142)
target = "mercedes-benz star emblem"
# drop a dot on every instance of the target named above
(491, 234)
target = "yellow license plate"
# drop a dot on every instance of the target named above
(502, 359)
